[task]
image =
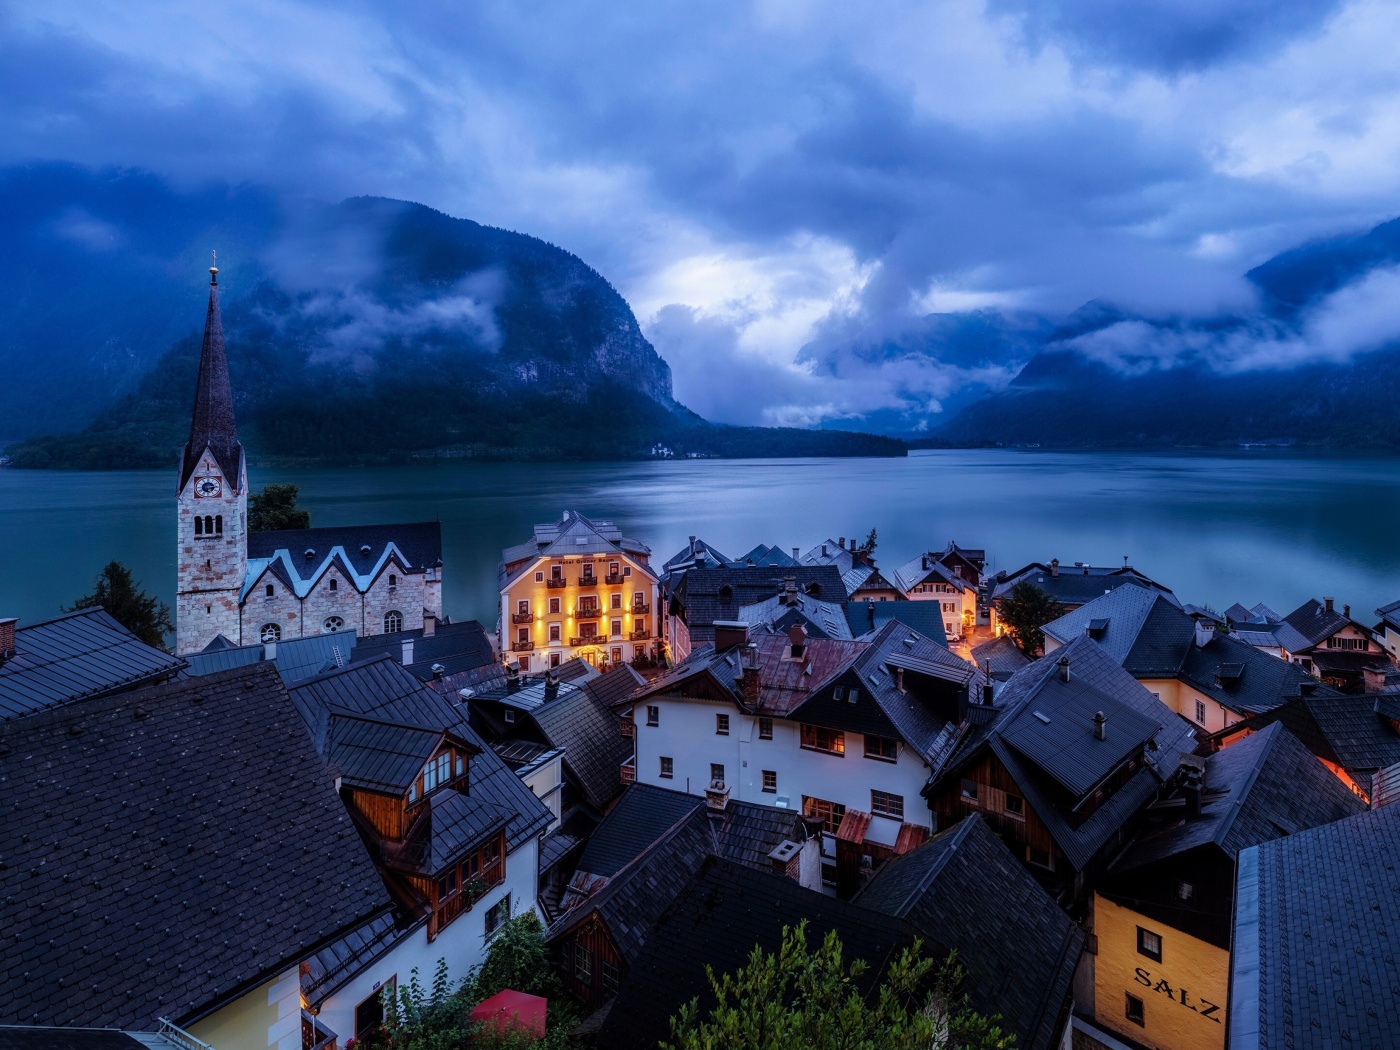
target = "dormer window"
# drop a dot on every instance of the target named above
(269, 591)
(447, 766)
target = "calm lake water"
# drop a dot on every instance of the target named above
(1216, 528)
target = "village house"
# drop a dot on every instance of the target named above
(842, 731)
(199, 857)
(1330, 645)
(702, 597)
(1162, 915)
(1205, 676)
(578, 588)
(1061, 763)
(1068, 587)
(1317, 917)
(454, 832)
(1387, 632)
(951, 578)
(1257, 627)
(80, 655)
(266, 586)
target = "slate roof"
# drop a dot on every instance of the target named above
(1075, 584)
(642, 815)
(1317, 916)
(384, 690)
(379, 756)
(1345, 730)
(707, 595)
(457, 823)
(927, 567)
(211, 422)
(1390, 615)
(1095, 676)
(572, 535)
(455, 647)
(687, 556)
(347, 956)
(152, 869)
(822, 619)
(964, 890)
(1003, 655)
(763, 554)
(76, 656)
(925, 617)
(1310, 624)
(295, 659)
(721, 912)
(581, 722)
(28, 1038)
(1261, 788)
(360, 552)
(1260, 614)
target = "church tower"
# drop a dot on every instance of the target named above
(212, 503)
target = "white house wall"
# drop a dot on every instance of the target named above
(687, 735)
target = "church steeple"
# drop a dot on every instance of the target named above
(212, 424)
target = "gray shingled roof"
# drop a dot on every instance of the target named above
(1002, 654)
(581, 722)
(151, 869)
(379, 756)
(76, 656)
(926, 617)
(572, 535)
(707, 595)
(640, 818)
(826, 619)
(295, 659)
(963, 889)
(1317, 917)
(1075, 584)
(1309, 624)
(1137, 626)
(455, 647)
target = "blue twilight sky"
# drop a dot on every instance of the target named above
(779, 188)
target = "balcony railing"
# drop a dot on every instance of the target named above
(587, 639)
(627, 727)
(521, 618)
(522, 647)
(615, 578)
(639, 610)
(588, 581)
(472, 891)
(628, 771)
(641, 634)
(556, 583)
(587, 612)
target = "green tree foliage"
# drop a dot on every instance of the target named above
(144, 615)
(1024, 612)
(275, 507)
(813, 1000)
(868, 547)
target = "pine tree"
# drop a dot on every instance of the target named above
(144, 615)
(275, 507)
(1024, 612)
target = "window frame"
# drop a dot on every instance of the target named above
(717, 767)
(880, 757)
(1201, 712)
(1144, 944)
(830, 813)
(836, 738)
(770, 781)
(765, 728)
(721, 723)
(494, 910)
(393, 622)
(331, 624)
(888, 798)
(667, 767)
(1019, 813)
(653, 714)
(1134, 1010)
(581, 966)
(273, 629)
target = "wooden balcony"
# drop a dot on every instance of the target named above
(588, 581)
(626, 727)
(522, 647)
(522, 618)
(641, 634)
(628, 771)
(584, 612)
(556, 583)
(639, 610)
(462, 902)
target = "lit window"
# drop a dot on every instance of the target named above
(332, 623)
(612, 568)
(721, 725)
(831, 741)
(393, 622)
(498, 915)
(881, 747)
(716, 773)
(765, 729)
(770, 780)
(554, 606)
(1134, 1011)
(887, 804)
(667, 767)
(1149, 944)
(829, 813)
(539, 577)
(270, 633)
(653, 715)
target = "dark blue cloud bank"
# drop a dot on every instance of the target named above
(820, 213)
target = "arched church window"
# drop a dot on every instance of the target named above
(332, 623)
(393, 580)
(393, 622)
(333, 583)
(219, 525)
(270, 633)
(270, 591)
(198, 525)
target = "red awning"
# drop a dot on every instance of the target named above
(510, 1009)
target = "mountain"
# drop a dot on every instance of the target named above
(368, 330)
(1317, 365)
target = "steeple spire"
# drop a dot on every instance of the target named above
(212, 425)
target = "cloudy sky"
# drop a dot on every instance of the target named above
(781, 189)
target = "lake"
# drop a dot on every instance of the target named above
(1250, 527)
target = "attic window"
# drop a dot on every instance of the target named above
(726, 592)
(311, 552)
(333, 583)
(813, 589)
(365, 548)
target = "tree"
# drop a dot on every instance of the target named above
(812, 999)
(868, 547)
(144, 615)
(275, 507)
(1024, 612)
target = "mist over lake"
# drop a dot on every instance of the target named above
(1249, 527)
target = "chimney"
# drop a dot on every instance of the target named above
(1204, 633)
(429, 624)
(797, 638)
(729, 633)
(1064, 668)
(692, 545)
(899, 679)
(438, 672)
(512, 678)
(796, 554)
(1374, 679)
(7, 637)
(1055, 567)
(924, 562)
(407, 651)
(1346, 611)
(1099, 723)
(988, 690)
(551, 685)
(789, 590)
(1328, 603)
(824, 555)
(1191, 792)
(749, 683)
(269, 650)
(842, 542)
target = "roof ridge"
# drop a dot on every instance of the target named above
(1271, 736)
(345, 713)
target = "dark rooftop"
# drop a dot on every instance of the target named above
(581, 722)
(211, 422)
(455, 647)
(379, 756)
(640, 818)
(151, 869)
(924, 617)
(1075, 584)
(1317, 918)
(419, 543)
(76, 656)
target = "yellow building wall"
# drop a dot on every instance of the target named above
(1181, 698)
(1183, 996)
(268, 1016)
(538, 595)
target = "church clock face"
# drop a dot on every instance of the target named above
(207, 487)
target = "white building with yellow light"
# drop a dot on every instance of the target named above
(578, 588)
